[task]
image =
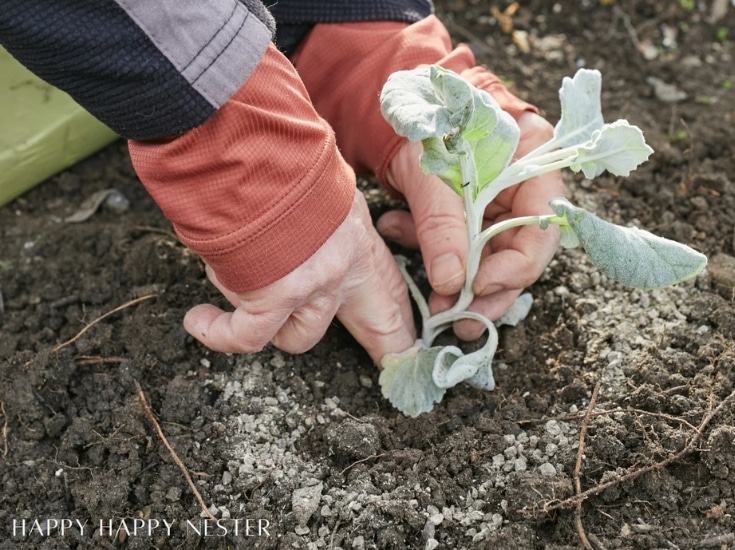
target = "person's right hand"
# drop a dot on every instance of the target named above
(352, 276)
(512, 261)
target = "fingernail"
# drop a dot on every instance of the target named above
(391, 232)
(445, 269)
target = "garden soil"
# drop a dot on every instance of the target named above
(106, 403)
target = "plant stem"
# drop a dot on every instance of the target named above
(438, 323)
(526, 168)
(413, 289)
(499, 227)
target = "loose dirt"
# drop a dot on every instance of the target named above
(303, 451)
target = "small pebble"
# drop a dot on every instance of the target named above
(553, 428)
(547, 470)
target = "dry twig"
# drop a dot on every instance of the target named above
(100, 318)
(176, 458)
(5, 428)
(578, 470)
(688, 448)
(94, 360)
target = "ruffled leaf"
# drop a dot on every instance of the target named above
(452, 367)
(517, 312)
(411, 105)
(618, 148)
(581, 112)
(453, 119)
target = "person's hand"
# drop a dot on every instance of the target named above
(352, 276)
(512, 261)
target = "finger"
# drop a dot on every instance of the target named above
(306, 326)
(520, 265)
(231, 297)
(398, 226)
(493, 307)
(233, 332)
(438, 216)
(535, 131)
(376, 309)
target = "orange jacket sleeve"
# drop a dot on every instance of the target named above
(345, 65)
(259, 187)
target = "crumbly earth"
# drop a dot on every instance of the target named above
(305, 447)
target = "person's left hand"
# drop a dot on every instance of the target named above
(512, 261)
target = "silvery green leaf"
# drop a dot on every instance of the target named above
(411, 105)
(451, 366)
(618, 148)
(406, 380)
(581, 113)
(452, 118)
(449, 370)
(633, 257)
(486, 131)
(517, 312)
(483, 379)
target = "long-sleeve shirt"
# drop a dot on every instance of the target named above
(236, 144)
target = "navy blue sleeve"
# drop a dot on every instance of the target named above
(146, 69)
(295, 18)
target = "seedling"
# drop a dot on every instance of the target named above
(469, 142)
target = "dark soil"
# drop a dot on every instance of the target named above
(305, 447)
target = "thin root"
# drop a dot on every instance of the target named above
(104, 316)
(176, 458)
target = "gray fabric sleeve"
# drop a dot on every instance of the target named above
(146, 69)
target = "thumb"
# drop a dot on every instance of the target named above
(436, 222)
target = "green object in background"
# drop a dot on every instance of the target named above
(42, 130)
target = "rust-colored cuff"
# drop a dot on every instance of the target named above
(344, 66)
(259, 187)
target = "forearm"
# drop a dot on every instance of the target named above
(259, 187)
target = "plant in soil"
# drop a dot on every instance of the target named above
(469, 142)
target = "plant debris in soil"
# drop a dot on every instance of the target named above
(613, 424)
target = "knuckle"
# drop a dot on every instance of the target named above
(437, 222)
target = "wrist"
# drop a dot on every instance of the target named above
(259, 187)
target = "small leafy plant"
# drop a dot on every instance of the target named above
(469, 142)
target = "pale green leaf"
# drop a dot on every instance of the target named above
(493, 138)
(568, 238)
(483, 129)
(455, 93)
(581, 113)
(633, 257)
(452, 118)
(406, 380)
